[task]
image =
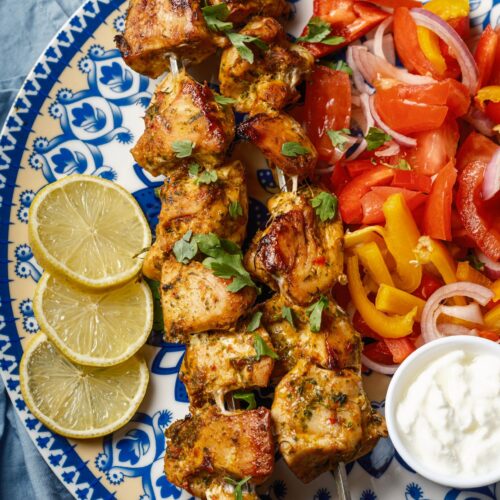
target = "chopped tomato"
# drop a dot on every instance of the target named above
(485, 55)
(327, 107)
(398, 3)
(378, 352)
(437, 216)
(461, 25)
(339, 178)
(348, 19)
(357, 167)
(410, 179)
(458, 100)
(485, 334)
(428, 286)
(495, 75)
(400, 348)
(373, 201)
(475, 147)
(361, 327)
(407, 44)
(479, 217)
(350, 197)
(492, 111)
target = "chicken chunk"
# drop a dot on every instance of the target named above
(297, 254)
(271, 134)
(158, 29)
(336, 346)
(323, 417)
(184, 110)
(188, 205)
(216, 363)
(223, 490)
(209, 446)
(242, 10)
(194, 300)
(268, 84)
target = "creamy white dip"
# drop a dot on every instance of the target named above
(449, 417)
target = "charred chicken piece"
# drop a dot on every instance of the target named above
(268, 84)
(188, 205)
(194, 300)
(242, 10)
(158, 29)
(183, 110)
(297, 254)
(271, 133)
(208, 447)
(216, 363)
(336, 346)
(323, 417)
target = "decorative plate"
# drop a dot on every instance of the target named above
(79, 111)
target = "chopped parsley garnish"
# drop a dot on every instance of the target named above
(343, 66)
(183, 149)
(293, 149)
(401, 165)
(223, 100)
(235, 209)
(206, 177)
(238, 492)
(339, 398)
(376, 138)
(287, 314)
(254, 323)
(318, 31)
(248, 397)
(261, 348)
(338, 138)
(315, 313)
(325, 205)
(475, 262)
(185, 249)
(240, 41)
(194, 169)
(215, 17)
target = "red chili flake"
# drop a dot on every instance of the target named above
(320, 261)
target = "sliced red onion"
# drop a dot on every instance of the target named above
(387, 50)
(391, 149)
(471, 312)
(378, 367)
(491, 180)
(373, 67)
(491, 267)
(357, 77)
(449, 329)
(432, 308)
(443, 30)
(400, 138)
(383, 43)
(480, 121)
(368, 123)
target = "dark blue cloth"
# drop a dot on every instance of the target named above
(26, 27)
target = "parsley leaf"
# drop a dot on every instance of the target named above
(248, 397)
(254, 322)
(315, 313)
(185, 249)
(287, 313)
(235, 209)
(376, 138)
(215, 17)
(223, 100)
(194, 169)
(207, 177)
(338, 138)
(239, 41)
(318, 31)
(238, 493)
(182, 149)
(261, 348)
(402, 165)
(293, 149)
(475, 262)
(338, 66)
(325, 205)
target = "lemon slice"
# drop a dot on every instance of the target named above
(94, 328)
(88, 229)
(79, 401)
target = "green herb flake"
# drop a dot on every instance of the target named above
(261, 348)
(402, 165)
(339, 398)
(315, 313)
(194, 169)
(343, 66)
(475, 262)
(207, 177)
(248, 397)
(238, 485)
(287, 314)
(318, 31)
(239, 41)
(254, 322)
(183, 149)
(293, 149)
(235, 209)
(223, 100)
(185, 249)
(215, 17)
(325, 205)
(376, 138)
(339, 138)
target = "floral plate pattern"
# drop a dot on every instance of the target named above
(79, 111)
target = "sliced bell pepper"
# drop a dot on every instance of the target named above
(428, 286)
(429, 43)
(490, 93)
(409, 179)
(395, 301)
(364, 235)
(465, 272)
(492, 318)
(378, 352)
(449, 9)
(401, 237)
(485, 55)
(386, 326)
(400, 348)
(372, 260)
(485, 334)
(495, 287)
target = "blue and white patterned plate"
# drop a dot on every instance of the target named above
(80, 111)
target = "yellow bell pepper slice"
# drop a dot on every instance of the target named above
(401, 237)
(490, 93)
(387, 326)
(394, 301)
(429, 43)
(465, 272)
(449, 9)
(492, 318)
(371, 257)
(365, 235)
(495, 287)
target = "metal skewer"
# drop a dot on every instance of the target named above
(340, 475)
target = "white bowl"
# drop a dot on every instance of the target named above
(405, 375)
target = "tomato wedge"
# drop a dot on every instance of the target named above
(437, 216)
(428, 286)
(409, 179)
(350, 197)
(400, 348)
(398, 3)
(492, 111)
(357, 167)
(327, 107)
(475, 147)
(485, 54)
(378, 352)
(339, 178)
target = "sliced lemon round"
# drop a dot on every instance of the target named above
(94, 328)
(79, 401)
(89, 229)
